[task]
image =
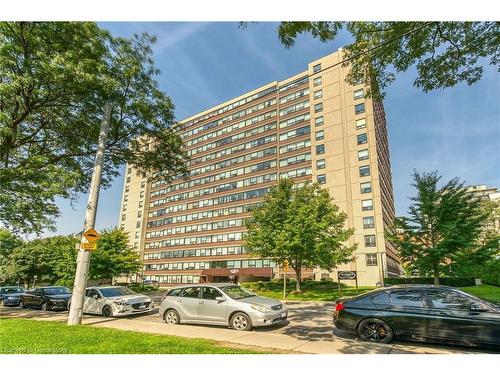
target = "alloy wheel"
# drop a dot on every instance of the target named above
(240, 322)
(171, 317)
(375, 330)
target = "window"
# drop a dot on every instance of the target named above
(174, 292)
(316, 68)
(140, 204)
(141, 195)
(368, 222)
(367, 205)
(320, 135)
(128, 179)
(136, 245)
(381, 298)
(143, 184)
(210, 293)
(359, 108)
(191, 292)
(320, 164)
(366, 187)
(361, 123)
(407, 299)
(125, 198)
(371, 260)
(358, 94)
(129, 170)
(362, 138)
(136, 235)
(318, 94)
(124, 217)
(318, 107)
(320, 149)
(139, 214)
(362, 155)
(317, 81)
(364, 171)
(138, 224)
(319, 121)
(443, 299)
(321, 179)
(370, 240)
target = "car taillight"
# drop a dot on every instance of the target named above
(339, 306)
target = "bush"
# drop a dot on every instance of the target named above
(490, 273)
(450, 281)
(136, 287)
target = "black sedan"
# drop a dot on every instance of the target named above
(46, 298)
(420, 312)
(9, 295)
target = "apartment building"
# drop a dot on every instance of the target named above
(312, 126)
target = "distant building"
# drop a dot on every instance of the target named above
(312, 126)
(487, 194)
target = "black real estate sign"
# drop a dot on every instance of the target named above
(348, 275)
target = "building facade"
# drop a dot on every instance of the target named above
(312, 126)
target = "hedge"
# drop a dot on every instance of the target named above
(450, 281)
(490, 272)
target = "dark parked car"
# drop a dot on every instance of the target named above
(420, 312)
(46, 298)
(9, 295)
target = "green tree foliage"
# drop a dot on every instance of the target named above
(53, 259)
(444, 225)
(301, 226)
(8, 243)
(54, 80)
(444, 53)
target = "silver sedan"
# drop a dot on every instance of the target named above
(221, 304)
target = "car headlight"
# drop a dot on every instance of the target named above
(11, 298)
(260, 308)
(120, 303)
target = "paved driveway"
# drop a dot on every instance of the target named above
(309, 330)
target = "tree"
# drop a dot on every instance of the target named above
(8, 243)
(444, 53)
(54, 80)
(113, 256)
(442, 225)
(299, 225)
(53, 259)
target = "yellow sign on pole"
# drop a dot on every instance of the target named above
(91, 235)
(89, 246)
(285, 265)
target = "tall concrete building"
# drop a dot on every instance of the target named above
(312, 126)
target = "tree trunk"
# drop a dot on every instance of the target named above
(436, 276)
(298, 274)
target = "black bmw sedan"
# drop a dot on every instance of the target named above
(420, 312)
(46, 298)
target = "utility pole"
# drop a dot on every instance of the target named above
(83, 260)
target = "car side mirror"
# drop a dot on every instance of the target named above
(95, 296)
(477, 307)
(220, 299)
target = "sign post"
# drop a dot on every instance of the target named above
(285, 269)
(348, 275)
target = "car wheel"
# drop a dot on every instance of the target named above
(45, 306)
(22, 305)
(241, 322)
(375, 330)
(107, 312)
(172, 317)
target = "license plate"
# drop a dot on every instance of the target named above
(283, 314)
(142, 306)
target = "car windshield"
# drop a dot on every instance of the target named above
(13, 290)
(237, 292)
(116, 292)
(57, 290)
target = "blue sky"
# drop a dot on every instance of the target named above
(455, 131)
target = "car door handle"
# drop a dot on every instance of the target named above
(441, 313)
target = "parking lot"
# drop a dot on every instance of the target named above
(308, 330)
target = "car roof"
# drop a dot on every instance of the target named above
(219, 285)
(106, 287)
(416, 286)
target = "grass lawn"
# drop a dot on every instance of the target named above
(320, 292)
(488, 292)
(25, 336)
